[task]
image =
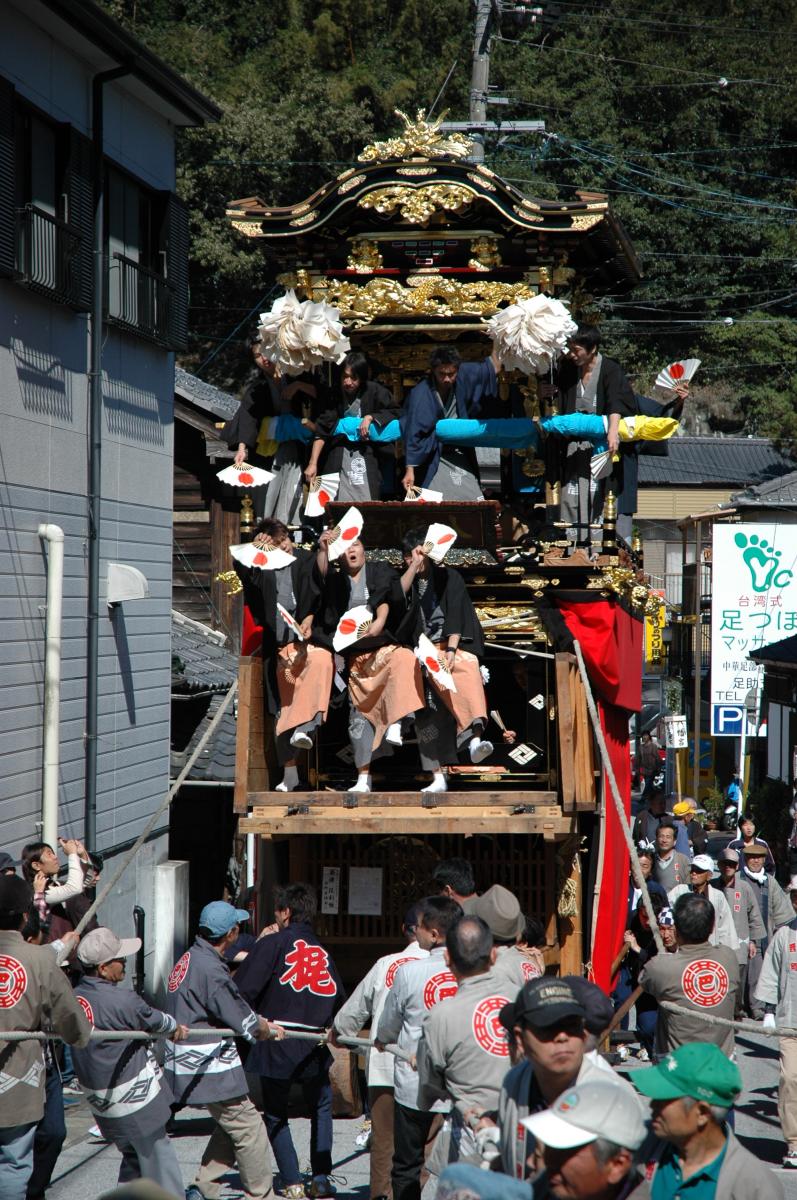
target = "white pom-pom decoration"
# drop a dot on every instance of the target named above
(531, 335)
(299, 335)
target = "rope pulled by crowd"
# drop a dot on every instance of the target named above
(319, 1036)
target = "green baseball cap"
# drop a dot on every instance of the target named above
(697, 1069)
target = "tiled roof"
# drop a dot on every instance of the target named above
(217, 761)
(775, 491)
(204, 395)
(201, 663)
(721, 462)
(784, 651)
(200, 659)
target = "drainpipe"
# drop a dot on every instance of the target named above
(95, 454)
(54, 535)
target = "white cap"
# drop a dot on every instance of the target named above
(597, 1108)
(102, 946)
(702, 862)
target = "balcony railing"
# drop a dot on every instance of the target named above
(48, 252)
(138, 299)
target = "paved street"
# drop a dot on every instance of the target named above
(87, 1170)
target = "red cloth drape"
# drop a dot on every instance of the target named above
(251, 634)
(611, 642)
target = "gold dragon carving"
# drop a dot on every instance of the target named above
(434, 295)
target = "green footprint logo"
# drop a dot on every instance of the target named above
(762, 562)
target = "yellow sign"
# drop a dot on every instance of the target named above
(654, 642)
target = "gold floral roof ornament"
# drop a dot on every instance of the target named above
(419, 139)
(432, 295)
(625, 582)
(418, 204)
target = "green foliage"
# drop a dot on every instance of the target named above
(701, 172)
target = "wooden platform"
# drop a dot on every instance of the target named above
(272, 813)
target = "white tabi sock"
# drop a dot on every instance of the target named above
(438, 783)
(289, 780)
(363, 783)
(479, 750)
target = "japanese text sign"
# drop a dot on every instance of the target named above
(754, 603)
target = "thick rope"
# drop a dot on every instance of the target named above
(136, 1035)
(636, 870)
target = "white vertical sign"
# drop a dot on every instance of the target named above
(753, 603)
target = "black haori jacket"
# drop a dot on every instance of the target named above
(384, 587)
(459, 615)
(260, 594)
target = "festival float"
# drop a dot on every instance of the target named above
(414, 247)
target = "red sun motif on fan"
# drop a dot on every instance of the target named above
(439, 987)
(350, 534)
(260, 558)
(676, 370)
(391, 971)
(245, 477)
(347, 626)
(432, 663)
(88, 1010)
(447, 537)
(323, 498)
(13, 981)
(179, 971)
(487, 1028)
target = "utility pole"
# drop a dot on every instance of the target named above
(480, 71)
(489, 14)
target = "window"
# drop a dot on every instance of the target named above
(47, 227)
(45, 203)
(146, 247)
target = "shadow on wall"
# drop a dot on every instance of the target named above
(123, 654)
(133, 412)
(45, 385)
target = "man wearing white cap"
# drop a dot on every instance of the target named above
(124, 1085)
(746, 916)
(590, 1136)
(700, 871)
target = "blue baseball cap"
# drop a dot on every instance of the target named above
(218, 917)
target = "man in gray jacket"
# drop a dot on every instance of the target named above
(548, 1025)
(700, 978)
(417, 988)
(777, 992)
(32, 988)
(670, 867)
(691, 1092)
(745, 913)
(208, 1073)
(776, 910)
(463, 1053)
(123, 1082)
